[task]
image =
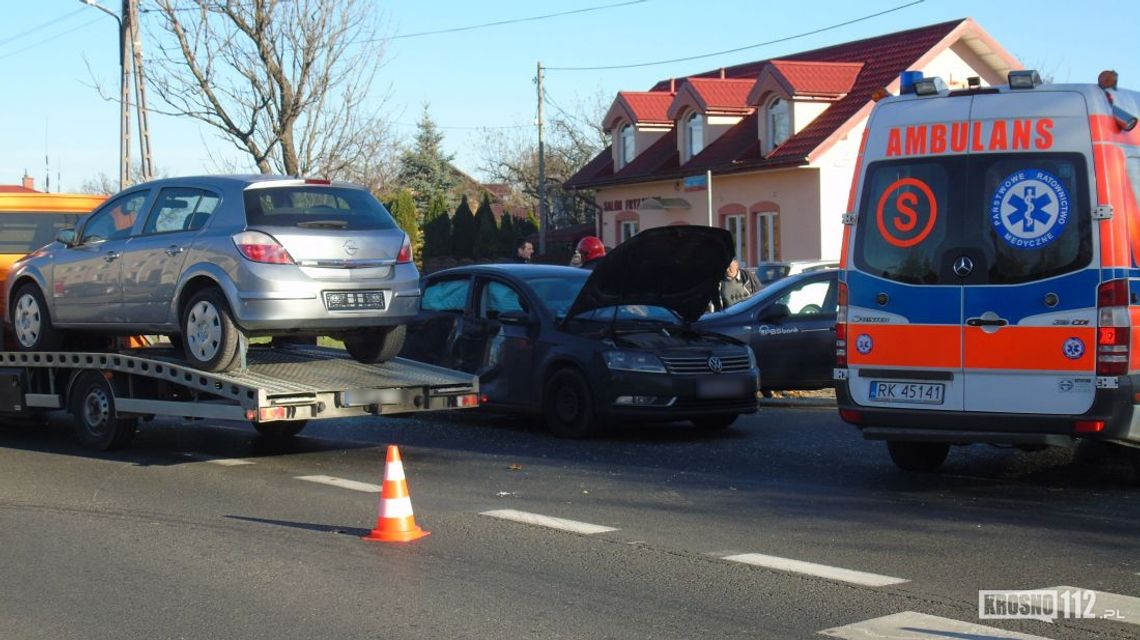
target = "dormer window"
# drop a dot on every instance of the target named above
(779, 123)
(694, 134)
(628, 145)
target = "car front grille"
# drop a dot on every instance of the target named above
(700, 365)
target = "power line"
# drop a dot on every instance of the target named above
(55, 37)
(440, 126)
(514, 21)
(41, 26)
(738, 49)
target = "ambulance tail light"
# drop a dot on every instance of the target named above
(1113, 331)
(841, 327)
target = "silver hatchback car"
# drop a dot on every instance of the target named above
(205, 259)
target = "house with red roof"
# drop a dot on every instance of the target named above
(767, 149)
(28, 185)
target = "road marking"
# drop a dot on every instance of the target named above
(910, 624)
(1126, 608)
(342, 483)
(223, 462)
(813, 569)
(547, 521)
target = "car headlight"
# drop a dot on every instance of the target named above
(633, 361)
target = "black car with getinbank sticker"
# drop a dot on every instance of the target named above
(587, 349)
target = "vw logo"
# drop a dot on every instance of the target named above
(963, 266)
(350, 247)
(715, 365)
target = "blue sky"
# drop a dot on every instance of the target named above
(483, 77)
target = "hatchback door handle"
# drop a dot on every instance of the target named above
(173, 250)
(111, 256)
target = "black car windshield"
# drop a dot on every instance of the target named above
(557, 292)
(631, 313)
(316, 207)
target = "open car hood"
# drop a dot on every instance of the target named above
(678, 268)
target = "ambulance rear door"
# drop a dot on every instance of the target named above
(1027, 257)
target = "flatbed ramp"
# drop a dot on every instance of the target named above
(293, 383)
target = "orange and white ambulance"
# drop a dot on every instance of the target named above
(990, 284)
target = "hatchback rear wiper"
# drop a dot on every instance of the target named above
(323, 224)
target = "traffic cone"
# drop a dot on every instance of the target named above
(395, 522)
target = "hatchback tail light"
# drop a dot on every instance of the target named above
(261, 247)
(1114, 328)
(405, 251)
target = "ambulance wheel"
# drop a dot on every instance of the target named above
(569, 406)
(376, 345)
(280, 429)
(923, 457)
(97, 423)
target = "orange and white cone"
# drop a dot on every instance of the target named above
(395, 522)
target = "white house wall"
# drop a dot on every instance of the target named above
(836, 170)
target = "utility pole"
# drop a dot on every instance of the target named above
(124, 99)
(541, 171)
(147, 162)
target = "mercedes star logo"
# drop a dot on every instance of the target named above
(350, 247)
(715, 364)
(963, 266)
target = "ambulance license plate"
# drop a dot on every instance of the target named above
(918, 392)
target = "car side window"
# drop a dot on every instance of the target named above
(446, 295)
(114, 220)
(809, 298)
(180, 209)
(497, 298)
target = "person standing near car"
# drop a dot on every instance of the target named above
(524, 249)
(590, 252)
(738, 284)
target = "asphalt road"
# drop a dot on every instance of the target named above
(207, 531)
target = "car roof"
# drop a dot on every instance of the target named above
(243, 181)
(516, 269)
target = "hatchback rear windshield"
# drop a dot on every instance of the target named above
(1016, 217)
(22, 233)
(316, 207)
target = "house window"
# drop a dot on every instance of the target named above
(779, 123)
(739, 230)
(628, 229)
(628, 146)
(695, 134)
(767, 236)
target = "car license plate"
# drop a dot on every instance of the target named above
(917, 392)
(721, 388)
(354, 300)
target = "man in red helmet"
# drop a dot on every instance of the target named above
(589, 252)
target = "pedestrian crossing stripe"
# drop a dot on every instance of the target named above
(911, 624)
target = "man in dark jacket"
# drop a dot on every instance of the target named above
(524, 249)
(737, 285)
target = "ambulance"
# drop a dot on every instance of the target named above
(990, 282)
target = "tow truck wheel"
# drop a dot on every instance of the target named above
(31, 322)
(280, 429)
(376, 345)
(97, 424)
(569, 406)
(209, 335)
(715, 422)
(923, 457)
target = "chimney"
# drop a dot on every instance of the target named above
(29, 182)
(672, 85)
(722, 73)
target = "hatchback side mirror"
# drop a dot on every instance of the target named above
(66, 237)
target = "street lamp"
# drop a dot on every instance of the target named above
(124, 95)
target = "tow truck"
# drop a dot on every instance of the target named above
(278, 389)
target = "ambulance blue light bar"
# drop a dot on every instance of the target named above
(929, 86)
(1024, 79)
(907, 80)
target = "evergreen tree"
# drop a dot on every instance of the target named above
(425, 168)
(404, 211)
(463, 231)
(486, 231)
(508, 235)
(437, 229)
(528, 226)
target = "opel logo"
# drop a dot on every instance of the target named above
(350, 247)
(715, 365)
(963, 266)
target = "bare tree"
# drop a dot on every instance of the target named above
(103, 184)
(288, 82)
(574, 137)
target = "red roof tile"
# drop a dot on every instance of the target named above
(818, 78)
(648, 106)
(718, 94)
(882, 57)
(15, 188)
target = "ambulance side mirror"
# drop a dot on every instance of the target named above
(1126, 121)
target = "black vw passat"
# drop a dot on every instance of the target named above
(586, 349)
